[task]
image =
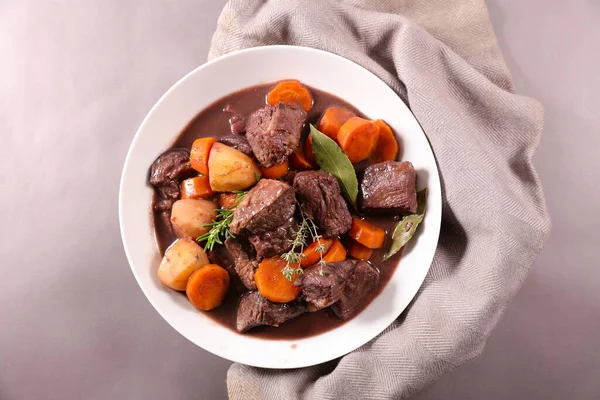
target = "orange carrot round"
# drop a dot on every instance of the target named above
(387, 145)
(276, 171)
(299, 161)
(332, 120)
(336, 252)
(199, 154)
(311, 255)
(196, 188)
(290, 92)
(227, 200)
(358, 138)
(359, 251)
(272, 284)
(366, 233)
(206, 288)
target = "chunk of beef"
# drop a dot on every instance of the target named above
(168, 170)
(289, 177)
(164, 205)
(237, 142)
(274, 132)
(255, 310)
(362, 282)
(244, 260)
(221, 256)
(274, 241)
(237, 124)
(390, 185)
(320, 198)
(266, 206)
(323, 285)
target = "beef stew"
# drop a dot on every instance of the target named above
(282, 226)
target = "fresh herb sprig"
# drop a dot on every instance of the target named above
(289, 272)
(219, 228)
(320, 246)
(295, 255)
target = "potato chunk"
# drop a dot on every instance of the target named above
(189, 217)
(230, 169)
(181, 259)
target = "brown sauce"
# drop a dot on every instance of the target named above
(213, 121)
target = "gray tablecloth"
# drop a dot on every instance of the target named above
(442, 58)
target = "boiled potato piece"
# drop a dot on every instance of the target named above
(230, 169)
(181, 259)
(189, 217)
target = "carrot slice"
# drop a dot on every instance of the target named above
(196, 188)
(272, 284)
(336, 252)
(308, 152)
(227, 200)
(332, 120)
(199, 154)
(206, 287)
(366, 233)
(387, 145)
(276, 171)
(311, 255)
(359, 251)
(290, 92)
(358, 138)
(299, 161)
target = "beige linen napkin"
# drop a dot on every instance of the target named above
(442, 58)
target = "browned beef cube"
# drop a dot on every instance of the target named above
(323, 285)
(237, 124)
(244, 261)
(238, 142)
(289, 177)
(267, 205)
(390, 186)
(275, 241)
(320, 198)
(168, 170)
(255, 310)
(362, 282)
(274, 132)
(237, 121)
(220, 255)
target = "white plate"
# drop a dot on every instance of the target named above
(215, 80)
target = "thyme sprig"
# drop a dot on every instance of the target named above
(317, 238)
(295, 255)
(219, 228)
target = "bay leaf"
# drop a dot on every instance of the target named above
(405, 229)
(332, 159)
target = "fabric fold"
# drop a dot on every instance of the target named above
(443, 60)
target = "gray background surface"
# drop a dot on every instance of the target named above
(76, 79)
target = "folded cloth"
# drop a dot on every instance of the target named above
(442, 58)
